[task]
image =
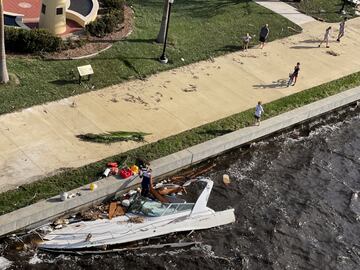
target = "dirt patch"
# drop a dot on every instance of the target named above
(97, 44)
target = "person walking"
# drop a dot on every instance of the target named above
(341, 29)
(264, 33)
(293, 76)
(326, 37)
(246, 40)
(259, 110)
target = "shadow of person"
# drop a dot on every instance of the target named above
(280, 83)
(310, 41)
(303, 47)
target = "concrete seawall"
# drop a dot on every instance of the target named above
(43, 211)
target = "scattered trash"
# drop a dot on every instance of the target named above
(112, 209)
(115, 210)
(134, 169)
(182, 59)
(61, 221)
(193, 174)
(125, 203)
(4, 263)
(190, 88)
(57, 227)
(73, 104)
(64, 196)
(93, 186)
(136, 220)
(34, 259)
(226, 179)
(166, 245)
(125, 173)
(106, 172)
(355, 204)
(88, 237)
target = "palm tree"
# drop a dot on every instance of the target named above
(161, 36)
(3, 69)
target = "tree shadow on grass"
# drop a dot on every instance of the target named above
(64, 82)
(280, 83)
(139, 40)
(230, 48)
(201, 8)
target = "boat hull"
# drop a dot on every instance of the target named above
(119, 230)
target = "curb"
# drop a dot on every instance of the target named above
(46, 210)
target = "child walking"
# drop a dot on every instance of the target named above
(259, 110)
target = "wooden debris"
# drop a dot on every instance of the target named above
(226, 179)
(192, 174)
(112, 209)
(84, 252)
(136, 220)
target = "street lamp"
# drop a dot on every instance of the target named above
(163, 59)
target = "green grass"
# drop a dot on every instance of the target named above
(73, 178)
(199, 29)
(325, 10)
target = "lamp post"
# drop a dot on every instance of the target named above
(163, 59)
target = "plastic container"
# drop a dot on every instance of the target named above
(93, 186)
(64, 196)
(134, 169)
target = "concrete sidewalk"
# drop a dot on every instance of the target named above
(41, 140)
(289, 12)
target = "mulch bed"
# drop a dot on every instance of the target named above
(96, 44)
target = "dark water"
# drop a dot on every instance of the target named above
(292, 195)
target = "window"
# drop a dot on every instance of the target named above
(59, 11)
(43, 9)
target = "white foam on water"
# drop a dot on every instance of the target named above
(4, 263)
(35, 259)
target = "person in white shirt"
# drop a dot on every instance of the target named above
(258, 112)
(247, 40)
(326, 37)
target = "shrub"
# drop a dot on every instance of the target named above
(31, 41)
(106, 23)
(113, 4)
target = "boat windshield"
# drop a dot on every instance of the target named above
(156, 209)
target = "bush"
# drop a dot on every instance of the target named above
(106, 24)
(113, 4)
(31, 41)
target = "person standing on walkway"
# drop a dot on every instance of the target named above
(246, 40)
(264, 33)
(293, 76)
(146, 179)
(259, 110)
(341, 29)
(326, 37)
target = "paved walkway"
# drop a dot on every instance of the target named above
(41, 140)
(287, 11)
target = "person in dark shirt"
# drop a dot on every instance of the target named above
(293, 76)
(145, 175)
(264, 33)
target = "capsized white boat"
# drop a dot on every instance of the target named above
(157, 219)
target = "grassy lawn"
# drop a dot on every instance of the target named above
(198, 30)
(325, 10)
(74, 178)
